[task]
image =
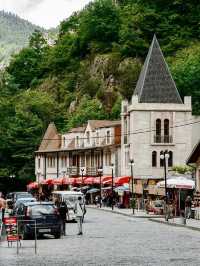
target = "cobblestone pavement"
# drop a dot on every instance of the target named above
(110, 239)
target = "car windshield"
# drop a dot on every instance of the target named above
(42, 209)
(25, 200)
(158, 204)
(24, 195)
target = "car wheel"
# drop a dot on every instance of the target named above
(57, 235)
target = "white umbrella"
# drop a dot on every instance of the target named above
(177, 182)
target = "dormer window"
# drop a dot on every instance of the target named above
(108, 137)
(64, 141)
(77, 140)
(97, 138)
(88, 137)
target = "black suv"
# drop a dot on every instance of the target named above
(45, 214)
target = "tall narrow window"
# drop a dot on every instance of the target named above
(162, 160)
(127, 159)
(77, 141)
(64, 141)
(125, 131)
(97, 138)
(83, 160)
(88, 137)
(166, 131)
(108, 137)
(38, 162)
(170, 160)
(158, 130)
(154, 159)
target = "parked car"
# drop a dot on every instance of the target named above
(46, 216)
(19, 195)
(14, 196)
(70, 197)
(156, 207)
(20, 201)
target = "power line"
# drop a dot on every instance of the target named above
(138, 131)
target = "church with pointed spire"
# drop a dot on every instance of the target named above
(155, 121)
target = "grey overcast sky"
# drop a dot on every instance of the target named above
(45, 13)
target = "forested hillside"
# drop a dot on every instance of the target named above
(94, 64)
(14, 34)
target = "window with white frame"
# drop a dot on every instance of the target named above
(88, 137)
(108, 137)
(127, 159)
(77, 141)
(108, 158)
(97, 138)
(83, 160)
(38, 162)
(64, 141)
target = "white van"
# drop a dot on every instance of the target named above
(69, 197)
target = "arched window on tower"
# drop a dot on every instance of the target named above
(158, 131)
(154, 159)
(170, 160)
(162, 160)
(166, 131)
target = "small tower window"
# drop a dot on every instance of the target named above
(154, 159)
(170, 160)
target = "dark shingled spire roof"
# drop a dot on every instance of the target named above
(155, 84)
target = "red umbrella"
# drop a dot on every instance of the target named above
(58, 181)
(72, 181)
(32, 185)
(48, 181)
(89, 180)
(122, 180)
(106, 178)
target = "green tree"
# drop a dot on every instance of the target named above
(127, 75)
(86, 110)
(185, 68)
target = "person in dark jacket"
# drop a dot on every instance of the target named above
(63, 210)
(188, 205)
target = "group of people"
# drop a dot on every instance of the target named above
(79, 211)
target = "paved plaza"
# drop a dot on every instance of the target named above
(110, 239)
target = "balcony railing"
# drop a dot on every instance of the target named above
(88, 171)
(73, 171)
(163, 139)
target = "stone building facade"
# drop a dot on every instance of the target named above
(155, 120)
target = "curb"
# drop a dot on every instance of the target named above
(174, 224)
(125, 214)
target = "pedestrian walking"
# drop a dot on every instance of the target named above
(63, 210)
(78, 210)
(188, 205)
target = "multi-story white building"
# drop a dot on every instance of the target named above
(86, 148)
(155, 120)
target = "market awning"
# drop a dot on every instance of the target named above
(122, 180)
(48, 181)
(89, 180)
(58, 181)
(32, 185)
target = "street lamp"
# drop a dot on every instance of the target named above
(165, 157)
(100, 171)
(82, 170)
(132, 188)
(112, 202)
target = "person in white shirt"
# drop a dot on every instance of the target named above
(79, 215)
